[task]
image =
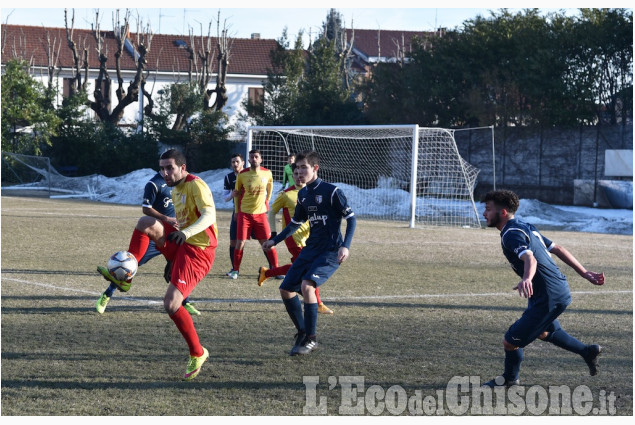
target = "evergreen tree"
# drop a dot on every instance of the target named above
(28, 120)
(513, 70)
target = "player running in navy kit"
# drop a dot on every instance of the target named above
(157, 203)
(324, 206)
(546, 288)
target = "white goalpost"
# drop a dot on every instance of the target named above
(399, 172)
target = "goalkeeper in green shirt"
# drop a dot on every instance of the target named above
(287, 175)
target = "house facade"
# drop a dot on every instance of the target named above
(370, 47)
(167, 62)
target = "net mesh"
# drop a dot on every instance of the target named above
(373, 166)
(33, 175)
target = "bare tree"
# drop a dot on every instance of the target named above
(52, 48)
(205, 57)
(18, 48)
(224, 45)
(77, 85)
(334, 31)
(137, 48)
(400, 53)
(346, 58)
(222, 54)
(148, 108)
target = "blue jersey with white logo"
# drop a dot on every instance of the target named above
(549, 284)
(158, 195)
(324, 206)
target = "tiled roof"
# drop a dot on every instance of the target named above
(366, 41)
(248, 56)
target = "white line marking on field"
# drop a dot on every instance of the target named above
(81, 291)
(257, 300)
(63, 214)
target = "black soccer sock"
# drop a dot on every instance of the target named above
(310, 318)
(294, 308)
(110, 290)
(562, 339)
(513, 359)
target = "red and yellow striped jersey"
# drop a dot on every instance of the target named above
(189, 198)
(254, 188)
(286, 201)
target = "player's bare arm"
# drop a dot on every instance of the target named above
(525, 287)
(568, 258)
(151, 212)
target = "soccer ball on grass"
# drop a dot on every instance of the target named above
(122, 265)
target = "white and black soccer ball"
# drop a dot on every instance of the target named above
(122, 265)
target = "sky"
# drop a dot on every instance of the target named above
(248, 17)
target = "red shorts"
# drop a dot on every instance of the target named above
(256, 225)
(190, 264)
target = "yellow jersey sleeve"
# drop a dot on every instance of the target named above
(287, 202)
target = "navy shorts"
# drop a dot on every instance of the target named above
(232, 228)
(534, 321)
(318, 268)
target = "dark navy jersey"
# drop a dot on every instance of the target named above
(324, 206)
(158, 195)
(230, 181)
(549, 284)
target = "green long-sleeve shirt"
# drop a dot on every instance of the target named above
(287, 176)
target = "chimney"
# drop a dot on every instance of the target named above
(255, 36)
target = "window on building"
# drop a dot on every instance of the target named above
(66, 87)
(256, 95)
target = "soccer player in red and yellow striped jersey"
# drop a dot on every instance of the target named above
(190, 246)
(253, 190)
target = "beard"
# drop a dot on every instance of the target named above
(494, 221)
(173, 183)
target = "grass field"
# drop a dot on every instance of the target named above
(413, 308)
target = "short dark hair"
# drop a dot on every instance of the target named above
(311, 157)
(179, 158)
(503, 199)
(237, 155)
(255, 151)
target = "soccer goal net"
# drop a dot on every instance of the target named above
(28, 175)
(402, 172)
